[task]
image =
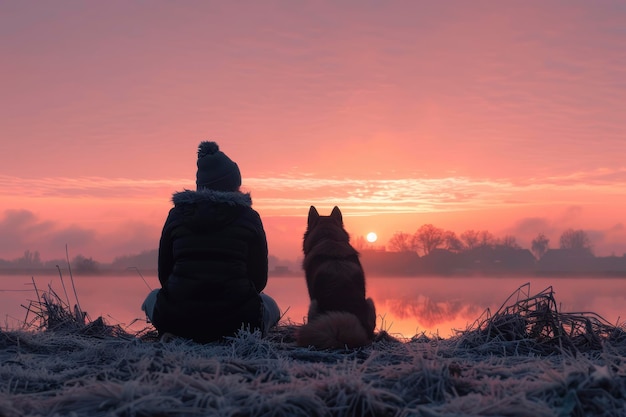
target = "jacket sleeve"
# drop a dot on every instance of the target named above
(166, 252)
(257, 257)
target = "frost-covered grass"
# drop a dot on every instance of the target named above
(525, 360)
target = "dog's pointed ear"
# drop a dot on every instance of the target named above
(336, 214)
(313, 216)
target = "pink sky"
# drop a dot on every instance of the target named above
(505, 116)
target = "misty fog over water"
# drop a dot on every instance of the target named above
(405, 306)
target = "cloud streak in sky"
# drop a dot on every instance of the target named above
(287, 195)
(109, 232)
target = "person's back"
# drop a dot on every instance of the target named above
(212, 258)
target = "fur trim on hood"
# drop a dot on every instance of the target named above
(233, 198)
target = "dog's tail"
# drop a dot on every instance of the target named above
(333, 330)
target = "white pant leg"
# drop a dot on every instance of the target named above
(271, 312)
(148, 304)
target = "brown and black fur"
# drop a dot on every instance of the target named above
(339, 314)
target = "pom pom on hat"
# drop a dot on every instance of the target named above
(207, 148)
(216, 171)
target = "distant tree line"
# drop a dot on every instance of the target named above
(433, 250)
(429, 238)
(145, 262)
(80, 264)
(32, 261)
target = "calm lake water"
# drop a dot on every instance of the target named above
(405, 306)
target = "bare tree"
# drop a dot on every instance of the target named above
(29, 259)
(85, 265)
(452, 242)
(509, 241)
(539, 245)
(427, 238)
(470, 238)
(486, 239)
(401, 242)
(575, 239)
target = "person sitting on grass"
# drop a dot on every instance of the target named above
(213, 258)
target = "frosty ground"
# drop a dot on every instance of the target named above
(525, 359)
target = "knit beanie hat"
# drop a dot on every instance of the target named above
(216, 171)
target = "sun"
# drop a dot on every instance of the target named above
(371, 237)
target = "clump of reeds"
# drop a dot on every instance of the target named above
(527, 324)
(51, 313)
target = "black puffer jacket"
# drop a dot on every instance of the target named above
(212, 266)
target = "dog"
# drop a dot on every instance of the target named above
(339, 314)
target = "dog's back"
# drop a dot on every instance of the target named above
(336, 284)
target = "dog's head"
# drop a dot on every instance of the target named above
(324, 227)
